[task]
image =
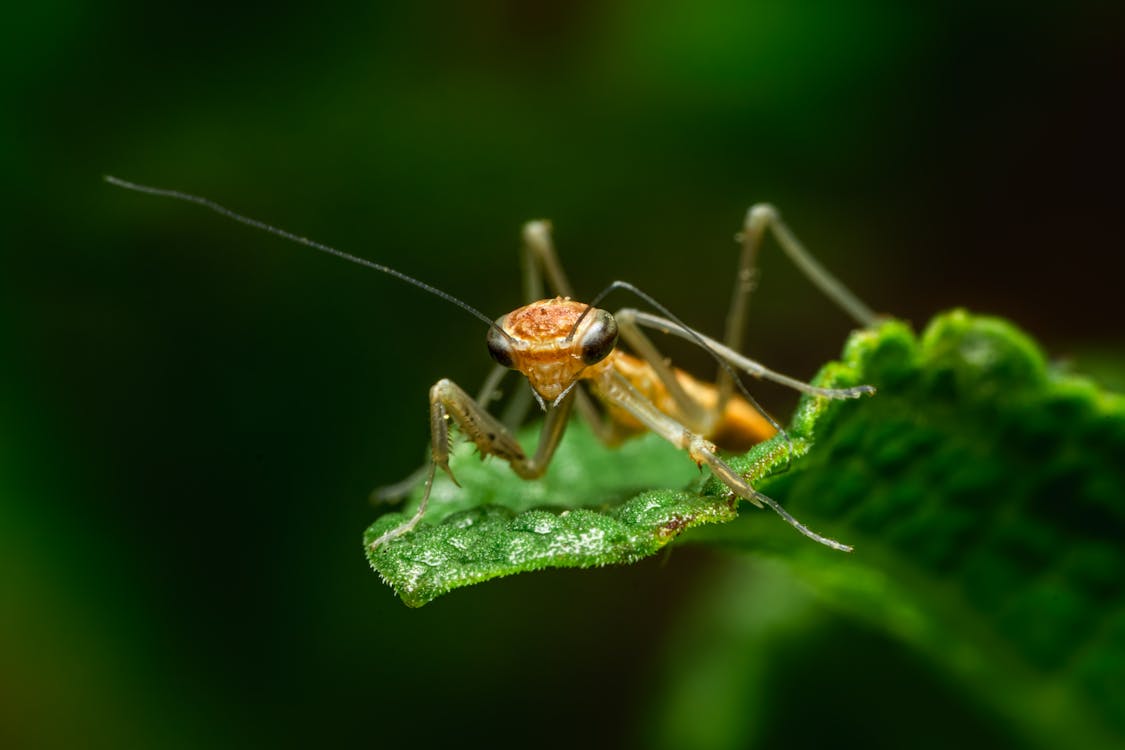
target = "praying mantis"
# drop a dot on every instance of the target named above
(571, 355)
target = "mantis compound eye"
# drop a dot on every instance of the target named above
(599, 339)
(499, 345)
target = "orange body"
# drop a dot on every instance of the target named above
(547, 350)
(738, 428)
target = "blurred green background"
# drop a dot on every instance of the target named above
(193, 413)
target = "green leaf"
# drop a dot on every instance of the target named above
(596, 506)
(984, 492)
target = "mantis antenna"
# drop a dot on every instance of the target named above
(224, 211)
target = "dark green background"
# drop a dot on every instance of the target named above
(192, 413)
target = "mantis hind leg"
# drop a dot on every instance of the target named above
(762, 218)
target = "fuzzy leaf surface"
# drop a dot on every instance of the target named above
(984, 491)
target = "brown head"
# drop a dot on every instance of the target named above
(541, 341)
